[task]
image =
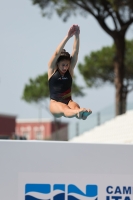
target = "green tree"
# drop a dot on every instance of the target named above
(97, 68)
(37, 90)
(121, 14)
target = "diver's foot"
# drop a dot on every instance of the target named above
(80, 113)
(86, 114)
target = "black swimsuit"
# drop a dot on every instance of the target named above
(60, 87)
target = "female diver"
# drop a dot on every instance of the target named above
(60, 73)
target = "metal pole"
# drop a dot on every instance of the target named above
(77, 129)
(98, 119)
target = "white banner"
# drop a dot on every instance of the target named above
(33, 170)
(39, 186)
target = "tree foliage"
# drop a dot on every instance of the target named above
(116, 9)
(97, 68)
(37, 90)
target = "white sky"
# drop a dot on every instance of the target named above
(27, 41)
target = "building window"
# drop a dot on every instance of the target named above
(26, 135)
(39, 132)
(39, 135)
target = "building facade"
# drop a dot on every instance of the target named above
(44, 129)
(7, 126)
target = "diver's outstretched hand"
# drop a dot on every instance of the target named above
(74, 30)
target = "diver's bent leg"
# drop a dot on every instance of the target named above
(59, 109)
(56, 108)
(73, 105)
(73, 113)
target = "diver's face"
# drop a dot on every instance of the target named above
(63, 66)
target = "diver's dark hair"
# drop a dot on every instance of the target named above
(64, 56)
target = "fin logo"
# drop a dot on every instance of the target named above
(59, 192)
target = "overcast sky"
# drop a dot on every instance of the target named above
(27, 41)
